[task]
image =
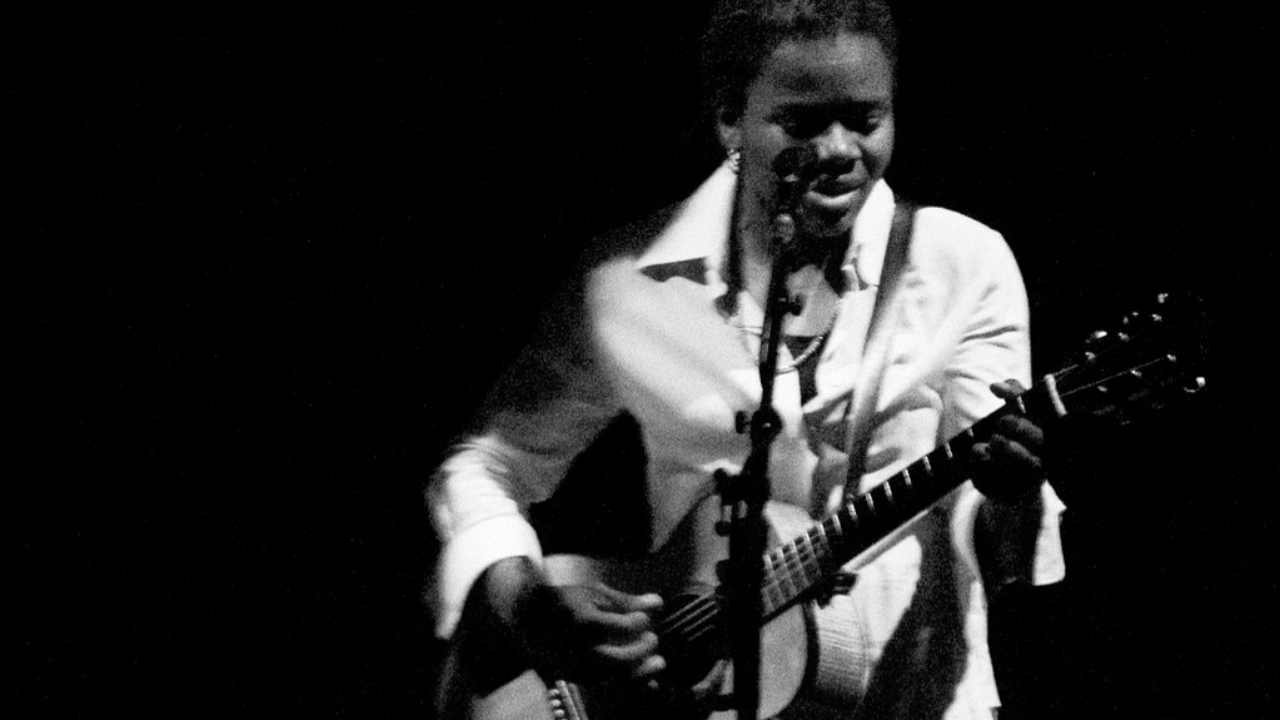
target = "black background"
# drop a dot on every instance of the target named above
(260, 264)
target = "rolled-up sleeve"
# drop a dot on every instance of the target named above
(545, 409)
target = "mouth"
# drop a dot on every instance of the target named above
(833, 194)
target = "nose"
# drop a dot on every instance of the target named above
(838, 145)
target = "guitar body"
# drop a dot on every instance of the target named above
(807, 652)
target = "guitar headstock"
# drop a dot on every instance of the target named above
(1152, 357)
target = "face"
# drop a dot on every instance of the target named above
(835, 95)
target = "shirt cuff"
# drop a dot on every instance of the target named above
(1048, 564)
(470, 553)
(964, 518)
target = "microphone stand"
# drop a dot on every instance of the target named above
(744, 497)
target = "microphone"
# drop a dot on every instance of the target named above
(795, 168)
(797, 164)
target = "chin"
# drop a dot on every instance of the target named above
(818, 226)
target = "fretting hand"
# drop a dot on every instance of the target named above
(1008, 466)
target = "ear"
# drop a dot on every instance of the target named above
(730, 133)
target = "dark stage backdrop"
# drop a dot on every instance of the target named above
(261, 263)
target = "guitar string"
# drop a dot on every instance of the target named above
(697, 614)
(694, 612)
(693, 617)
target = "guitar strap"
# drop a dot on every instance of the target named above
(895, 260)
(878, 333)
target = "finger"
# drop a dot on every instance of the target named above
(1014, 457)
(1005, 470)
(980, 454)
(601, 622)
(619, 601)
(1007, 389)
(616, 628)
(650, 668)
(1021, 430)
(637, 658)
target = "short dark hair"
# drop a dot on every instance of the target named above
(742, 34)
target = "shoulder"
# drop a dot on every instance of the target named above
(676, 240)
(950, 242)
(625, 246)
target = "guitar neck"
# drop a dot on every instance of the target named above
(795, 568)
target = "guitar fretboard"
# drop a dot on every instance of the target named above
(793, 569)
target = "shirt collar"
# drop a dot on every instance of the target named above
(699, 231)
(700, 228)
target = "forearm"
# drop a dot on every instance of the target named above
(1004, 537)
(1021, 541)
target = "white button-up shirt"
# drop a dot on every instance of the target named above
(647, 331)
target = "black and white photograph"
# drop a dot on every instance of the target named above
(787, 359)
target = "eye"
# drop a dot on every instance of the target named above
(804, 124)
(863, 121)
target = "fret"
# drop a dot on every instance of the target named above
(816, 555)
(939, 460)
(777, 569)
(807, 572)
(789, 561)
(870, 503)
(925, 466)
(771, 597)
(946, 449)
(837, 524)
(774, 597)
(770, 578)
(852, 509)
(1022, 407)
(959, 445)
(888, 490)
(808, 559)
(825, 550)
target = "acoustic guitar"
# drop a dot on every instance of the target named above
(808, 656)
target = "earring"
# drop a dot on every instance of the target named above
(735, 160)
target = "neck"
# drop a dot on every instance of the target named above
(757, 258)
